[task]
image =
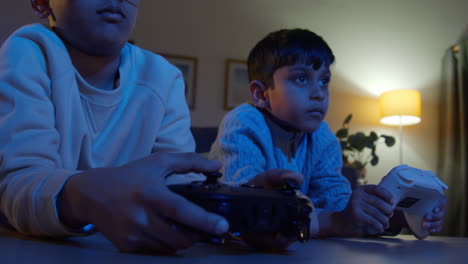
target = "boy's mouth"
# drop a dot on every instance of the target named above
(112, 14)
(315, 112)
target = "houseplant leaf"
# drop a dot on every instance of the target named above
(357, 141)
(342, 133)
(347, 119)
(389, 140)
(374, 160)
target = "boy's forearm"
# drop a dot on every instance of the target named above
(70, 206)
(331, 224)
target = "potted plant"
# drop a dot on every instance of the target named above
(359, 149)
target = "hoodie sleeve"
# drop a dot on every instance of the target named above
(31, 172)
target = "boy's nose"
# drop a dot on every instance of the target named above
(317, 98)
(317, 94)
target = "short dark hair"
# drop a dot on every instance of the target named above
(287, 47)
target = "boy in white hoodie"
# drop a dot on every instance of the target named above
(89, 127)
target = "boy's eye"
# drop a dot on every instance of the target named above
(301, 79)
(325, 81)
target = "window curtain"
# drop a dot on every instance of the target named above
(453, 160)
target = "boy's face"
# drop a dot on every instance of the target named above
(96, 27)
(300, 95)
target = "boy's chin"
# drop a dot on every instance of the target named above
(309, 128)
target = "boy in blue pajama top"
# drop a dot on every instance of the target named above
(283, 127)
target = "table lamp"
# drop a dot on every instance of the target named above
(400, 108)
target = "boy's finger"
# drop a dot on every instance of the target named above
(372, 224)
(441, 203)
(380, 192)
(276, 176)
(433, 225)
(182, 211)
(185, 162)
(376, 214)
(432, 217)
(170, 234)
(379, 204)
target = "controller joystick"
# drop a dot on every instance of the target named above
(212, 177)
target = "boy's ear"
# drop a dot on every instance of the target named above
(41, 8)
(258, 94)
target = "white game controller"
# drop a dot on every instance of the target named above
(417, 193)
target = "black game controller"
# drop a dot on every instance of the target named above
(250, 209)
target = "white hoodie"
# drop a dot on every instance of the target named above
(53, 124)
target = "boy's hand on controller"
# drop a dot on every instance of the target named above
(134, 209)
(434, 220)
(368, 212)
(272, 242)
(274, 177)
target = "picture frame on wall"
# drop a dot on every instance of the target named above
(188, 65)
(236, 83)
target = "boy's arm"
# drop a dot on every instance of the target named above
(341, 212)
(242, 145)
(328, 189)
(371, 212)
(31, 173)
(367, 213)
(174, 135)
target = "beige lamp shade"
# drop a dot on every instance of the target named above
(400, 107)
